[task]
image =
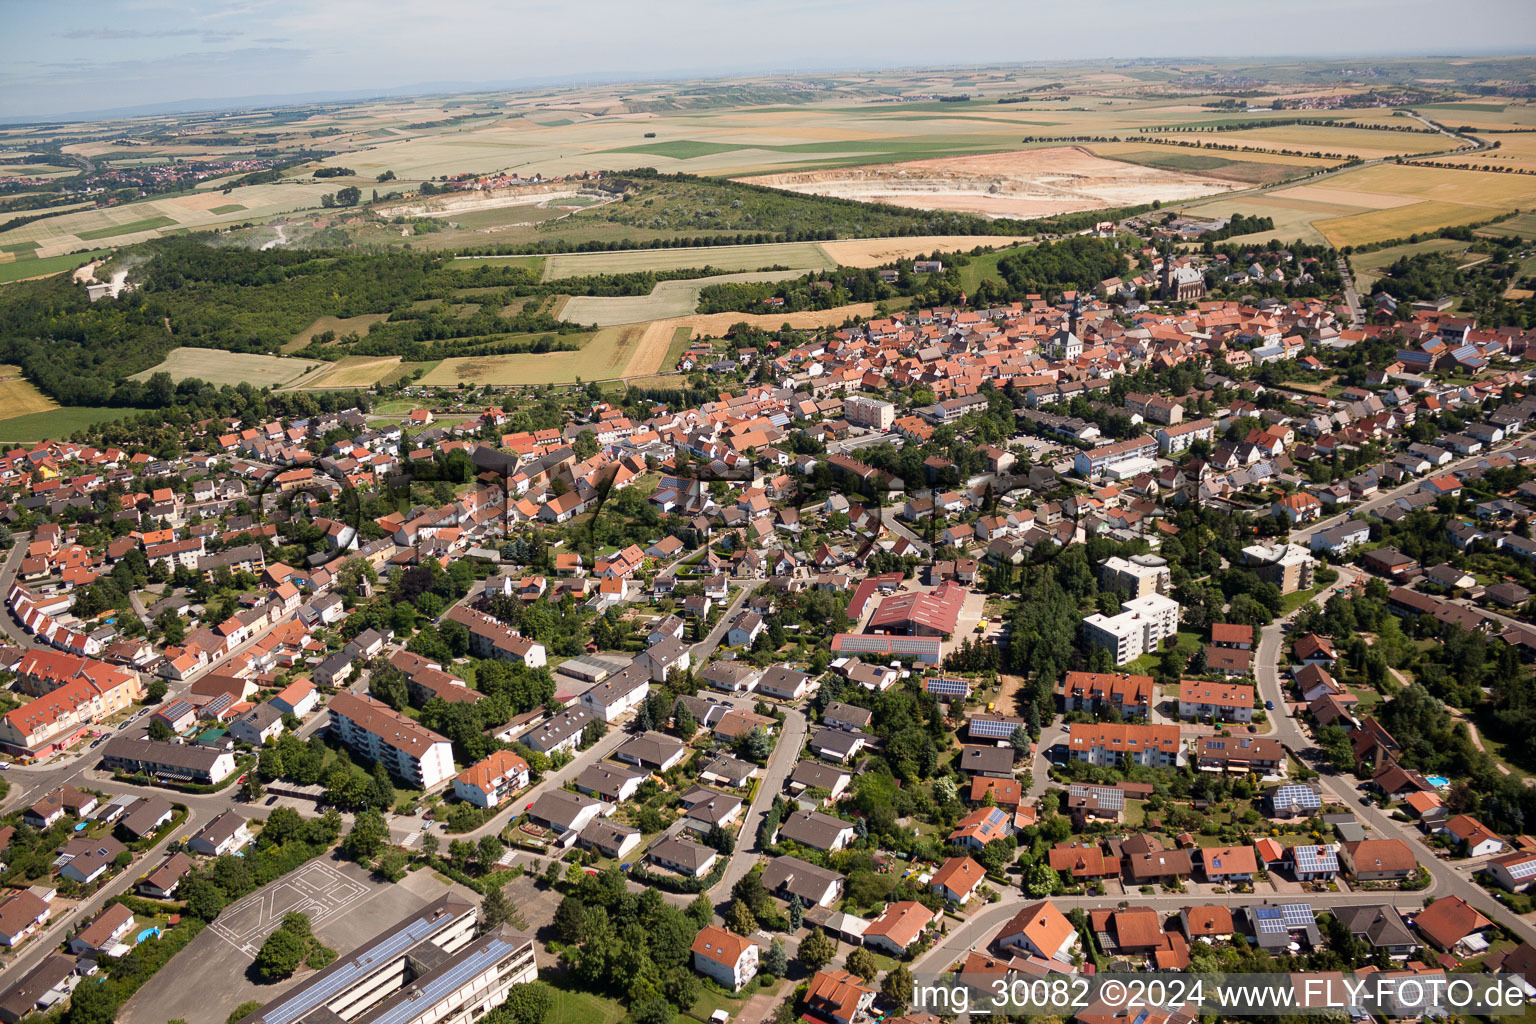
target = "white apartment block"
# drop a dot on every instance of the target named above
(1173, 440)
(1143, 623)
(380, 733)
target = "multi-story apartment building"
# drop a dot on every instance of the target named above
(1098, 691)
(1115, 457)
(1288, 566)
(76, 693)
(489, 638)
(561, 732)
(1176, 439)
(863, 411)
(1142, 624)
(1229, 702)
(177, 762)
(1154, 408)
(380, 733)
(1136, 576)
(430, 966)
(490, 782)
(1110, 745)
(728, 958)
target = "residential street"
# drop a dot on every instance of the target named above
(785, 755)
(40, 945)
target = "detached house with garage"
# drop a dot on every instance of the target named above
(1378, 860)
(1039, 930)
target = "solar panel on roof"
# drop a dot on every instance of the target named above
(949, 687)
(1268, 920)
(445, 984)
(1315, 858)
(1298, 915)
(1301, 796)
(358, 967)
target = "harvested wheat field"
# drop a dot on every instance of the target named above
(217, 367)
(877, 252)
(1023, 184)
(808, 255)
(19, 396)
(618, 353)
(354, 372)
(605, 355)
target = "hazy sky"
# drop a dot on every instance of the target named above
(60, 56)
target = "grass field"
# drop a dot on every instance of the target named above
(19, 396)
(341, 325)
(1368, 266)
(722, 257)
(218, 367)
(22, 269)
(1523, 225)
(58, 423)
(147, 224)
(227, 208)
(583, 1008)
(667, 299)
(681, 336)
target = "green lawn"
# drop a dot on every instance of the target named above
(1185, 644)
(584, 1008)
(680, 149)
(58, 423)
(983, 267)
(681, 337)
(227, 208)
(711, 999)
(147, 224)
(23, 268)
(1290, 602)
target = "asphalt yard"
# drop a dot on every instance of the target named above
(212, 976)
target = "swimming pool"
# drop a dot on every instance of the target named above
(1438, 781)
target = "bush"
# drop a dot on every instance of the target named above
(242, 1011)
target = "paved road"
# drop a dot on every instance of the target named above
(39, 946)
(1446, 878)
(978, 930)
(8, 570)
(616, 733)
(1303, 534)
(785, 754)
(896, 526)
(1356, 311)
